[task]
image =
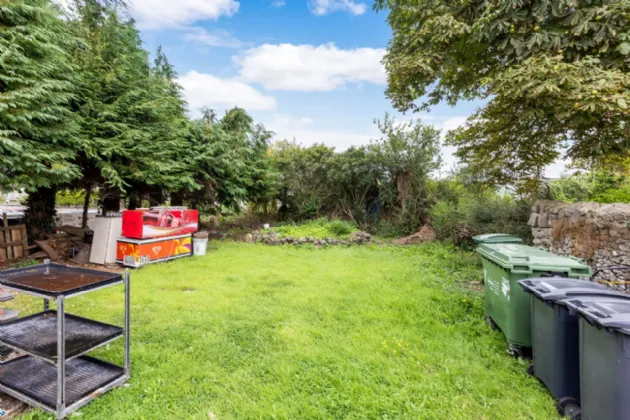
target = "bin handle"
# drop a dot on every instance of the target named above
(615, 321)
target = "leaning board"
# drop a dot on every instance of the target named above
(13, 241)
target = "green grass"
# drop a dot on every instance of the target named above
(319, 229)
(255, 332)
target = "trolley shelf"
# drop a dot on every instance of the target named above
(55, 374)
(37, 379)
(53, 280)
(37, 335)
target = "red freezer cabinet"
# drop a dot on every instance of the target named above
(159, 222)
(139, 252)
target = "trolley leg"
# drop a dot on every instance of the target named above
(127, 322)
(61, 358)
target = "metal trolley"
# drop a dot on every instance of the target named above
(40, 377)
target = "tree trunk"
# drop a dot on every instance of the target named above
(86, 205)
(110, 200)
(134, 202)
(156, 198)
(40, 212)
(177, 199)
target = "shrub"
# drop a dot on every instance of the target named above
(318, 228)
(388, 229)
(473, 214)
(340, 227)
(599, 187)
(75, 198)
(620, 195)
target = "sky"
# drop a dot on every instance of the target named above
(309, 70)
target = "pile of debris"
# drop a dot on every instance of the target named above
(425, 234)
(272, 238)
(68, 243)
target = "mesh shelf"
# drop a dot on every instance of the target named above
(56, 280)
(5, 295)
(38, 379)
(37, 334)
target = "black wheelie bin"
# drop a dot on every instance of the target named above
(555, 335)
(604, 337)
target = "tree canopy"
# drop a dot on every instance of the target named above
(82, 107)
(554, 73)
(38, 132)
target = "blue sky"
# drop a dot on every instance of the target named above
(308, 69)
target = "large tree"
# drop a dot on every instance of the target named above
(554, 74)
(38, 132)
(228, 161)
(132, 115)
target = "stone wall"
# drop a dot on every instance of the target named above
(598, 233)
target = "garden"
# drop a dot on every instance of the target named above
(336, 320)
(252, 331)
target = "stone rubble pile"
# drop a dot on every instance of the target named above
(272, 238)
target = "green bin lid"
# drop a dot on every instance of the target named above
(497, 238)
(524, 259)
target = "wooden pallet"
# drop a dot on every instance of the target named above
(13, 241)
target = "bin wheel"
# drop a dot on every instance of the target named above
(569, 406)
(530, 369)
(576, 416)
(518, 351)
(493, 325)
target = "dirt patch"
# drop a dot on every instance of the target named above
(425, 234)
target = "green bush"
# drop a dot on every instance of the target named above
(318, 228)
(389, 229)
(620, 195)
(75, 198)
(598, 187)
(474, 214)
(340, 227)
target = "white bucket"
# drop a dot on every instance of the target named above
(199, 246)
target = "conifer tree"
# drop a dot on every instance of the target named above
(38, 132)
(132, 116)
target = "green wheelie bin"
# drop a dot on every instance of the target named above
(508, 306)
(496, 238)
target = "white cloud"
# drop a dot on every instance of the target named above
(171, 13)
(156, 14)
(322, 7)
(201, 89)
(310, 68)
(287, 127)
(555, 170)
(558, 169)
(278, 3)
(452, 123)
(216, 38)
(449, 160)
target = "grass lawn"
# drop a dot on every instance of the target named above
(251, 331)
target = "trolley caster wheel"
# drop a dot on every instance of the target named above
(570, 407)
(530, 369)
(493, 325)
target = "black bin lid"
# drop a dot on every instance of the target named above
(560, 288)
(606, 311)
